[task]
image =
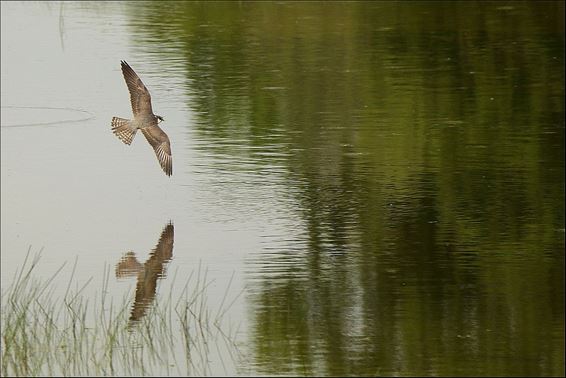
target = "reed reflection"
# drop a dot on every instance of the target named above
(148, 273)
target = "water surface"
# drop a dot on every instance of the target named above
(382, 182)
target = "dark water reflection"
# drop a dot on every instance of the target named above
(418, 148)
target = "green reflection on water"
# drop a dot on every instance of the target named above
(421, 145)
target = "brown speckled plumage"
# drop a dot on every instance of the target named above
(144, 119)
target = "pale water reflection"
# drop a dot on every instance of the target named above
(384, 181)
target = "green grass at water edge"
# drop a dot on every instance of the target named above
(47, 335)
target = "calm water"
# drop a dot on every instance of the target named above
(379, 185)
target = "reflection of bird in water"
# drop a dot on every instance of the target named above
(147, 273)
(128, 266)
(144, 119)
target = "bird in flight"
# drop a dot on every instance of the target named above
(144, 119)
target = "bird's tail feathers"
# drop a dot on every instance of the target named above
(123, 129)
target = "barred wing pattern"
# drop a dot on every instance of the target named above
(139, 95)
(160, 143)
(144, 120)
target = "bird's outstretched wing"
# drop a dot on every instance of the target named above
(139, 95)
(160, 143)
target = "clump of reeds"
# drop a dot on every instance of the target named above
(74, 335)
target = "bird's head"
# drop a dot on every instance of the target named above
(159, 118)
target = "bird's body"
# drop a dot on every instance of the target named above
(144, 120)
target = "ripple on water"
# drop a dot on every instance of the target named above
(27, 116)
